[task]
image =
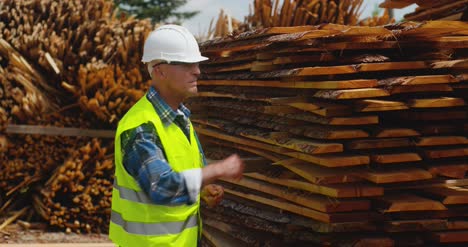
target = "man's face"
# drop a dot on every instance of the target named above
(181, 78)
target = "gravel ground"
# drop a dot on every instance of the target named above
(15, 234)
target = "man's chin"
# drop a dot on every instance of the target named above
(193, 92)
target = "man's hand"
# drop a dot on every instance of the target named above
(212, 194)
(231, 168)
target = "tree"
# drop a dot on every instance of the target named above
(157, 10)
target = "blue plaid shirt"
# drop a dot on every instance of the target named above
(144, 157)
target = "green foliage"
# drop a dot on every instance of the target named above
(159, 11)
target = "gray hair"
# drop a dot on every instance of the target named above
(150, 66)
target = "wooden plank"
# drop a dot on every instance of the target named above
(220, 95)
(393, 176)
(320, 175)
(270, 220)
(441, 140)
(219, 135)
(370, 105)
(232, 67)
(407, 202)
(328, 132)
(293, 59)
(449, 195)
(351, 190)
(350, 31)
(323, 109)
(324, 160)
(419, 225)
(418, 80)
(345, 121)
(445, 152)
(347, 69)
(461, 64)
(262, 153)
(395, 158)
(454, 212)
(436, 102)
(258, 33)
(259, 66)
(416, 88)
(378, 143)
(301, 145)
(57, 131)
(369, 242)
(277, 109)
(332, 160)
(347, 84)
(222, 60)
(430, 115)
(351, 45)
(309, 213)
(440, 128)
(239, 235)
(451, 237)
(316, 202)
(393, 132)
(452, 170)
(351, 93)
(286, 100)
(218, 238)
(440, 43)
(457, 225)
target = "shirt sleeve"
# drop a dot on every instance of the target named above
(144, 159)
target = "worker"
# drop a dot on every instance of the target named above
(160, 169)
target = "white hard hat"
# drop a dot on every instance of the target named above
(171, 43)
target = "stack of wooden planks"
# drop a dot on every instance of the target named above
(361, 134)
(432, 9)
(72, 64)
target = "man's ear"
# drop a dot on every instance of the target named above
(159, 70)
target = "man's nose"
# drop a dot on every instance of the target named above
(196, 69)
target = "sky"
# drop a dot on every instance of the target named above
(210, 9)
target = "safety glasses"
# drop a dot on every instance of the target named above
(175, 63)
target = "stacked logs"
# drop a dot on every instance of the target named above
(267, 13)
(65, 64)
(311, 12)
(363, 130)
(432, 9)
(78, 194)
(83, 54)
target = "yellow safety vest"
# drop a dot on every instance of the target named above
(135, 220)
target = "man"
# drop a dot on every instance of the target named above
(159, 164)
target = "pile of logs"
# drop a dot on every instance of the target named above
(362, 132)
(432, 9)
(65, 67)
(268, 13)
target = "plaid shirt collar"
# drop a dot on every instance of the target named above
(164, 111)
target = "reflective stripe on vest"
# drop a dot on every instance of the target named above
(152, 229)
(131, 195)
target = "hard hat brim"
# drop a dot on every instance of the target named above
(193, 60)
(187, 60)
